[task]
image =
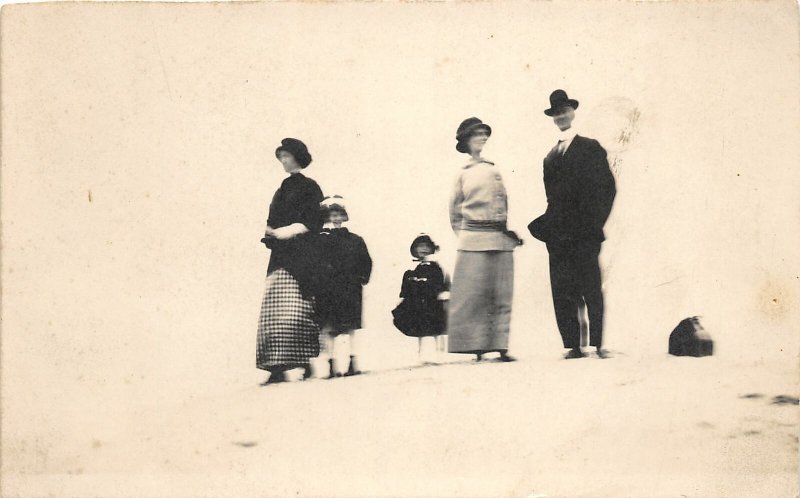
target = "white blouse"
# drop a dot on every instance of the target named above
(480, 196)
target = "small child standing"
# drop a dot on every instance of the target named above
(348, 267)
(424, 292)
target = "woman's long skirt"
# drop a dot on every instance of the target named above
(288, 332)
(480, 301)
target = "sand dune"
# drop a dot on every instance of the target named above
(655, 426)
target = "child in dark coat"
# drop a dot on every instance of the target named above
(347, 269)
(424, 292)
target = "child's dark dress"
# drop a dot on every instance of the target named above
(421, 314)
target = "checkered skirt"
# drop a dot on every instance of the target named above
(288, 332)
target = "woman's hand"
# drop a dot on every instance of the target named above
(282, 233)
(269, 232)
(289, 232)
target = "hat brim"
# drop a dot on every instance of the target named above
(461, 145)
(569, 103)
(303, 158)
(469, 131)
(422, 240)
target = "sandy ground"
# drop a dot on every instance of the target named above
(655, 426)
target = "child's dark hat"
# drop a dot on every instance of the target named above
(422, 238)
(333, 203)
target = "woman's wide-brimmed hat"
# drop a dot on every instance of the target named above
(296, 148)
(466, 129)
(422, 238)
(333, 203)
(559, 100)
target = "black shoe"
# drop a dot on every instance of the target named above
(352, 370)
(308, 372)
(478, 356)
(574, 353)
(332, 373)
(275, 378)
(505, 357)
(604, 354)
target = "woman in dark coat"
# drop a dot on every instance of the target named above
(348, 267)
(288, 332)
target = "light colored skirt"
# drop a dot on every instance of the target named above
(288, 332)
(480, 301)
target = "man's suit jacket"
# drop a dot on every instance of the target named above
(580, 192)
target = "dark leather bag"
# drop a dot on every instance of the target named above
(689, 338)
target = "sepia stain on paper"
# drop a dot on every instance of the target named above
(615, 123)
(90, 196)
(631, 127)
(439, 63)
(245, 444)
(773, 300)
(785, 400)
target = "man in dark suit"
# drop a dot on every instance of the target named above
(580, 191)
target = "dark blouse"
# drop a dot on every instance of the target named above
(296, 201)
(425, 282)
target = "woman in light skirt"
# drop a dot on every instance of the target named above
(483, 279)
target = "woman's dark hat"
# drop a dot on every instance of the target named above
(466, 129)
(333, 203)
(559, 100)
(422, 238)
(296, 148)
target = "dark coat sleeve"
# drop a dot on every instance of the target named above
(363, 264)
(547, 180)
(438, 279)
(296, 201)
(404, 288)
(540, 227)
(308, 210)
(600, 189)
